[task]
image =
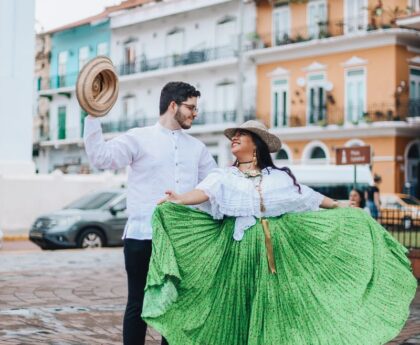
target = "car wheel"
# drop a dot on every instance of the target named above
(91, 238)
(406, 223)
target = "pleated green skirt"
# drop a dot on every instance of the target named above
(341, 280)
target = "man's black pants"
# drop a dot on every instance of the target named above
(137, 256)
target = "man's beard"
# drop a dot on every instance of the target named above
(180, 118)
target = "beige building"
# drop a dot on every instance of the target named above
(341, 73)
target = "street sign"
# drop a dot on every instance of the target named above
(352, 155)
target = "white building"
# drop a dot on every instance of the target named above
(17, 42)
(152, 44)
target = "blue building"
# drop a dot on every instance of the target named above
(71, 47)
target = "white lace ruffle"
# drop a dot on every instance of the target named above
(232, 194)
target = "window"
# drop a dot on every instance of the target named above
(315, 152)
(318, 153)
(175, 46)
(355, 95)
(413, 163)
(280, 89)
(414, 101)
(92, 201)
(83, 56)
(282, 155)
(62, 122)
(226, 37)
(415, 5)
(62, 68)
(317, 18)
(355, 15)
(129, 107)
(102, 49)
(316, 106)
(129, 60)
(225, 102)
(226, 31)
(281, 24)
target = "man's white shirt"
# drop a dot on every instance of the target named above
(159, 159)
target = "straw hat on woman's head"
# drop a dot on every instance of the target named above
(97, 86)
(273, 142)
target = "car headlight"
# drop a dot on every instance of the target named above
(67, 221)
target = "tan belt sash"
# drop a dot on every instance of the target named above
(269, 246)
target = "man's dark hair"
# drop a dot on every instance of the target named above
(176, 91)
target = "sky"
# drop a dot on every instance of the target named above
(50, 14)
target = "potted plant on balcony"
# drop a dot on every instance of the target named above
(323, 29)
(255, 39)
(322, 123)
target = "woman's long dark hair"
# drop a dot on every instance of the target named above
(362, 197)
(264, 159)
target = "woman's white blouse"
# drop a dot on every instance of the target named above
(231, 193)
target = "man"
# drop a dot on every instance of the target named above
(161, 157)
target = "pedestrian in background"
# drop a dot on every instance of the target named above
(373, 198)
(357, 199)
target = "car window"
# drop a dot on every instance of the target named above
(92, 201)
(411, 201)
(121, 205)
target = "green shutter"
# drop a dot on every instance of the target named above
(83, 114)
(62, 123)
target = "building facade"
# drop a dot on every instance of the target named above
(341, 73)
(71, 47)
(321, 73)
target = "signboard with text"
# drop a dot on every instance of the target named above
(353, 155)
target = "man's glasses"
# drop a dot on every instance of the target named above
(191, 107)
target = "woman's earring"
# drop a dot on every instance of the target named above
(254, 159)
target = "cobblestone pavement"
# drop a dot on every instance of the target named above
(75, 297)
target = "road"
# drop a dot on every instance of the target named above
(74, 297)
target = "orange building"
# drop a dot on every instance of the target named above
(333, 73)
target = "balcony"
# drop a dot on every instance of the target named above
(332, 115)
(205, 118)
(144, 64)
(322, 29)
(125, 125)
(57, 81)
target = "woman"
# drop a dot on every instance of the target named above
(357, 199)
(372, 197)
(268, 270)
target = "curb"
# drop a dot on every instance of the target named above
(17, 237)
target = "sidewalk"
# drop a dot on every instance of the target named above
(78, 297)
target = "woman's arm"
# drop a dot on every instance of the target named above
(196, 196)
(330, 203)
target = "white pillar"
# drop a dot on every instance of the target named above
(17, 58)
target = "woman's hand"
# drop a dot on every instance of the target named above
(172, 197)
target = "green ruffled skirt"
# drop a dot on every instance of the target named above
(341, 280)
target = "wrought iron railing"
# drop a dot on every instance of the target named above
(145, 64)
(404, 225)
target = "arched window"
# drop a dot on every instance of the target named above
(318, 153)
(315, 152)
(413, 153)
(282, 154)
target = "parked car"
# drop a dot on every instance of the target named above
(95, 220)
(400, 209)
